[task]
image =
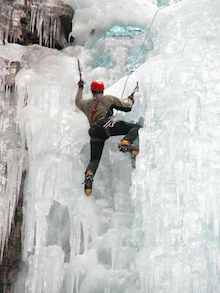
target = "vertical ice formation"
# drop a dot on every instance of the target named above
(11, 156)
(49, 131)
(176, 182)
(52, 21)
(50, 267)
(86, 240)
(45, 22)
(166, 239)
(92, 19)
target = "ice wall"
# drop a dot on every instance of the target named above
(71, 243)
(175, 185)
(49, 128)
(159, 235)
(94, 18)
(69, 239)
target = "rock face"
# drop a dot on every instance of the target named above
(36, 22)
(7, 77)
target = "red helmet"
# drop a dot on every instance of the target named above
(97, 85)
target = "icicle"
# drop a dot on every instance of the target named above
(40, 31)
(51, 34)
(46, 271)
(113, 256)
(15, 167)
(77, 280)
(77, 237)
(54, 31)
(85, 228)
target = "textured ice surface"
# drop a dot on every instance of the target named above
(94, 18)
(157, 232)
(175, 185)
(57, 216)
(49, 276)
(44, 20)
(118, 35)
(12, 158)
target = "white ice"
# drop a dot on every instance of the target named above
(94, 18)
(154, 229)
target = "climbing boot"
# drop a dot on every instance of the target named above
(126, 146)
(125, 142)
(135, 152)
(88, 182)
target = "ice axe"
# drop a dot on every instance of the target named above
(136, 89)
(79, 68)
(80, 71)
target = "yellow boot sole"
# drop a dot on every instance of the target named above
(88, 192)
(135, 153)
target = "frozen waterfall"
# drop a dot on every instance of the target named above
(152, 229)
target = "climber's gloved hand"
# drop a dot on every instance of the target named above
(131, 97)
(81, 84)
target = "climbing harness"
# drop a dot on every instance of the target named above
(111, 119)
(110, 123)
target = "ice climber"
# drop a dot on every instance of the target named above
(99, 111)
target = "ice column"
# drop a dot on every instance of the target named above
(177, 198)
(49, 130)
(12, 158)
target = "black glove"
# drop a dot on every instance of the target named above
(81, 84)
(131, 97)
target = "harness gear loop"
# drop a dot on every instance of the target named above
(110, 123)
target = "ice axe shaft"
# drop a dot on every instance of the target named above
(79, 68)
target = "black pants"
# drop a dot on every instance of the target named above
(99, 135)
